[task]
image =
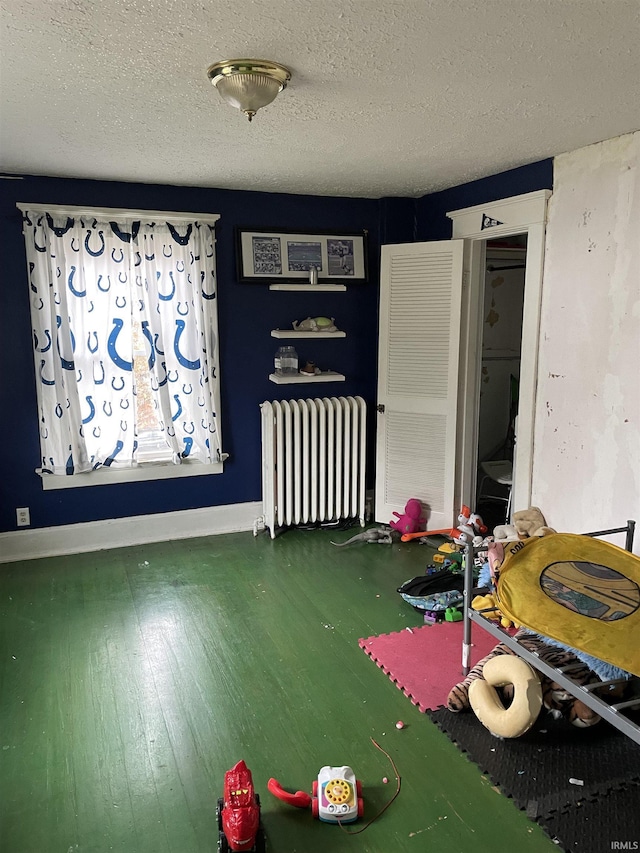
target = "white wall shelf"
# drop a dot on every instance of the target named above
(290, 333)
(333, 287)
(300, 378)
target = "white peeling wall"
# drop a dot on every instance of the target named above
(586, 469)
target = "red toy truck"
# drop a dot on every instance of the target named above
(238, 813)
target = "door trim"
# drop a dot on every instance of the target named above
(523, 214)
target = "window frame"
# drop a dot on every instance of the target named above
(145, 471)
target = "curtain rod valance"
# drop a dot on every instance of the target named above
(118, 213)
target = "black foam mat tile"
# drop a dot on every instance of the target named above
(535, 770)
(609, 822)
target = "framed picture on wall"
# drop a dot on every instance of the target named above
(274, 255)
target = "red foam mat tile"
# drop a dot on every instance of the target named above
(425, 662)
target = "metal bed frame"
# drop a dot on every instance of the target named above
(613, 713)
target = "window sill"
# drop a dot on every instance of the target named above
(110, 476)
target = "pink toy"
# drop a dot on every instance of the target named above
(411, 520)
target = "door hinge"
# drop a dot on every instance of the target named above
(380, 408)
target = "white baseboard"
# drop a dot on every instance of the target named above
(133, 530)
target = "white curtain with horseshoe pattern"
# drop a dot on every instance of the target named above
(89, 281)
(179, 322)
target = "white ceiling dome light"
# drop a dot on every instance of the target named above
(248, 84)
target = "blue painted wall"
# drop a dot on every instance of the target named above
(247, 313)
(431, 210)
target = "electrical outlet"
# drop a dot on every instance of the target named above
(23, 518)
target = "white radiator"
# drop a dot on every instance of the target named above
(313, 461)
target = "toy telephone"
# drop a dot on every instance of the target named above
(337, 795)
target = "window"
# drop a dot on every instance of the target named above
(123, 307)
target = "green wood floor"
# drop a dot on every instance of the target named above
(130, 680)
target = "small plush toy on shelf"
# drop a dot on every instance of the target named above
(411, 521)
(315, 324)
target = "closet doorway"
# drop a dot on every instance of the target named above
(500, 356)
(430, 360)
(521, 218)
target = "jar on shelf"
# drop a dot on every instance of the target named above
(286, 361)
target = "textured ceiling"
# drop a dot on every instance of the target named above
(388, 97)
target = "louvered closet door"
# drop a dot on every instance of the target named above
(419, 342)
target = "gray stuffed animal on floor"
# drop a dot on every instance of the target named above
(375, 535)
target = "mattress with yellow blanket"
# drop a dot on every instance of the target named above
(579, 591)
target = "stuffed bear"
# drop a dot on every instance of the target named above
(530, 522)
(526, 523)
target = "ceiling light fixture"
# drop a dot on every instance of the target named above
(248, 84)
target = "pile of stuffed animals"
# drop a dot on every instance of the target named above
(509, 687)
(526, 523)
(506, 694)
(471, 528)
